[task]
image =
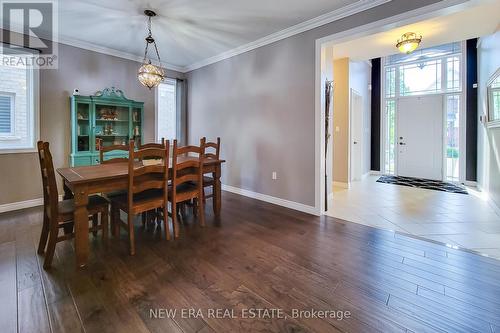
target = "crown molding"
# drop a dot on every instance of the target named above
(351, 9)
(112, 52)
(318, 21)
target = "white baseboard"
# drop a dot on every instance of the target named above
(471, 184)
(20, 205)
(341, 184)
(274, 200)
(375, 172)
(9, 207)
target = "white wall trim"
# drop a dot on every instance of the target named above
(9, 207)
(351, 9)
(112, 52)
(20, 205)
(471, 183)
(348, 10)
(342, 184)
(274, 200)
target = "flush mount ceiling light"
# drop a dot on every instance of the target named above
(409, 42)
(150, 75)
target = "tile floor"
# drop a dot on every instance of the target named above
(467, 221)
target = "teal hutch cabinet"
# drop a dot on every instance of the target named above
(108, 115)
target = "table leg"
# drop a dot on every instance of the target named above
(81, 220)
(217, 191)
(68, 194)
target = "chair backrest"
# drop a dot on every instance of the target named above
(103, 150)
(50, 194)
(186, 169)
(212, 149)
(153, 145)
(143, 177)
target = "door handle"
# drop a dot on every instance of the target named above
(355, 142)
(402, 144)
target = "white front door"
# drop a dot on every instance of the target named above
(356, 136)
(420, 137)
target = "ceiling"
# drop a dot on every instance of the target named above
(472, 22)
(186, 31)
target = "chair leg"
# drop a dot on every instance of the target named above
(105, 226)
(115, 221)
(165, 223)
(204, 198)
(201, 213)
(195, 207)
(95, 223)
(51, 247)
(144, 218)
(130, 222)
(44, 234)
(175, 222)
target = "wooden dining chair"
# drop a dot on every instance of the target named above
(147, 190)
(161, 144)
(154, 215)
(59, 214)
(212, 151)
(187, 177)
(103, 150)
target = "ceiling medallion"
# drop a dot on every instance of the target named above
(150, 75)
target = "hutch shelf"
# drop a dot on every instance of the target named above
(107, 115)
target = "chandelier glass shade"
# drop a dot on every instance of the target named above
(150, 75)
(409, 42)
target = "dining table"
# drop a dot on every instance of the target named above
(82, 181)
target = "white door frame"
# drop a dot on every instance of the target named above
(360, 140)
(462, 117)
(434, 10)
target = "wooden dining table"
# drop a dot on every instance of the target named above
(81, 182)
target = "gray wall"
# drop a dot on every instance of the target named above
(488, 150)
(88, 71)
(261, 104)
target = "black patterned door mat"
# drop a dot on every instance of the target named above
(423, 183)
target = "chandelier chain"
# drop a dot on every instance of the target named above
(150, 37)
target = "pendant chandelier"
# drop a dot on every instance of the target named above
(150, 75)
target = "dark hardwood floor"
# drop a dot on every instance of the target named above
(257, 256)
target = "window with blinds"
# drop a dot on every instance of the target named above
(6, 113)
(19, 96)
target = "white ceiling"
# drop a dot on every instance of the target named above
(186, 31)
(473, 22)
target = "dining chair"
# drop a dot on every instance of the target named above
(147, 189)
(154, 215)
(153, 144)
(103, 150)
(59, 214)
(212, 151)
(187, 177)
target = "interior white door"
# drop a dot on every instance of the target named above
(420, 137)
(356, 136)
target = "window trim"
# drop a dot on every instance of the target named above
(157, 102)
(12, 133)
(34, 116)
